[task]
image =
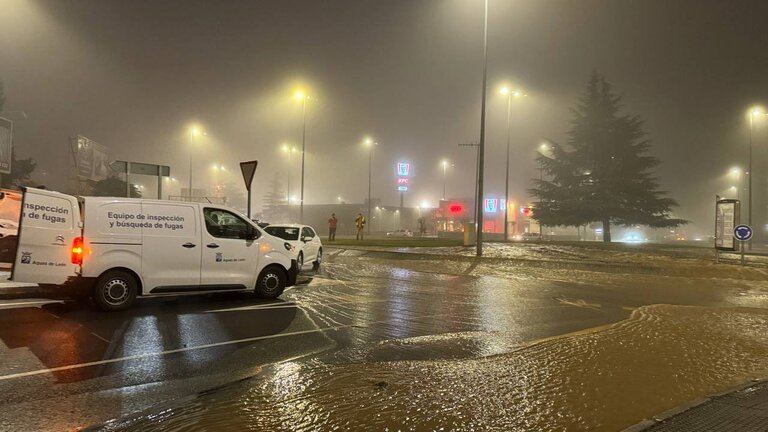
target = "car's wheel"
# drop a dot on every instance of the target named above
(271, 282)
(318, 261)
(300, 260)
(115, 290)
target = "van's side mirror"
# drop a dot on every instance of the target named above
(249, 233)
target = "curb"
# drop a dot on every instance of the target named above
(645, 424)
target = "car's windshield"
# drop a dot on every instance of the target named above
(285, 233)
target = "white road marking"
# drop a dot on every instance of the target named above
(198, 347)
(105, 340)
(39, 302)
(256, 307)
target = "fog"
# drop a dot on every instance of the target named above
(134, 76)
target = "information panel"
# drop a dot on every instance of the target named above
(726, 218)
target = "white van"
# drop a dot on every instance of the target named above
(115, 249)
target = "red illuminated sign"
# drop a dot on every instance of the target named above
(456, 208)
(402, 181)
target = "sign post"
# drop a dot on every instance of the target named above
(742, 233)
(248, 169)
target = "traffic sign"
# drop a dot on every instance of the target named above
(742, 232)
(248, 169)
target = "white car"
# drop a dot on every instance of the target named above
(400, 233)
(303, 238)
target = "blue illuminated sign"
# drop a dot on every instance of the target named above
(491, 205)
(403, 169)
(402, 188)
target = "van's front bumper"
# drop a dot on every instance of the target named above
(293, 273)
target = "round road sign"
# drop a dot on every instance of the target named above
(742, 232)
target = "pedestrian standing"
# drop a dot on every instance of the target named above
(332, 222)
(360, 224)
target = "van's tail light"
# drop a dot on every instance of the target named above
(76, 255)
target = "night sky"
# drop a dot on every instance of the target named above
(133, 75)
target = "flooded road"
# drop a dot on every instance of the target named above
(428, 343)
(601, 380)
(397, 340)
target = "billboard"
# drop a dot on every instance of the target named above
(6, 145)
(91, 158)
(726, 218)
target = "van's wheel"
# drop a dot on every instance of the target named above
(115, 290)
(318, 261)
(300, 260)
(271, 283)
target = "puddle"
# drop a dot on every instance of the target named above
(599, 381)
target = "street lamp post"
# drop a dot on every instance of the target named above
(445, 168)
(369, 143)
(508, 93)
(754, 112)
(290, 150)
(300, 95)
(481, 150)
(736, 172)
(192, 134)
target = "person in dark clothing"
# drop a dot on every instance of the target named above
(332, 223)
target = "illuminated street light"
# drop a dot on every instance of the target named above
(289, 150)
(445, 164)
(509, 94)
(193, 132)
(754, 112)
(300, 95)
(368, 142)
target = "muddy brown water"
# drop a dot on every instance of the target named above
(601, 380)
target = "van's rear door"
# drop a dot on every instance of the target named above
(49, 223)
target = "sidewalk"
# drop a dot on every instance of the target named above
(10, 290)
(744, 409)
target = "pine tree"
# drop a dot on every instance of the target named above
(21, 172)
(275, 201)
(604, 173)
(114, 187)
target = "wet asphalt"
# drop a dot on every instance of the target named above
(65, 365)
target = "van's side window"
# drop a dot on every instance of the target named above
(223, 224)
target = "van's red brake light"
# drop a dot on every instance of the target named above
(76, 255)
